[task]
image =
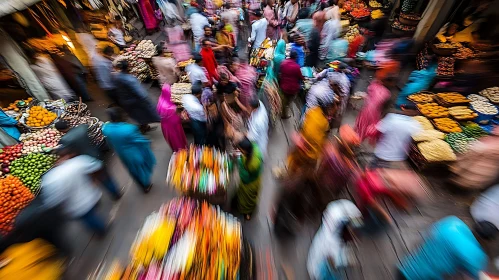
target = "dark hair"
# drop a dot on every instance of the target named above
(257, 13)
(197, 57)
(293, 54)
(159, 47)
(197, 88)
(223, 76)
(206, 26)
(303, 13)
(122, 65)
(254, 102)
(204, 40)
(227, 5)
(246, 146)
(108, 50)
(117, 17)
(486, 230)
(61, 125)
(116, 114)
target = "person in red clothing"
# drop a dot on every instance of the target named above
(290, 79)
(209, 61)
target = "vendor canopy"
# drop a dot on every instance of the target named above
(11, 6)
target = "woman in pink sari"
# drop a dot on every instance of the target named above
(147, 12)
(378, 95)
(171, 125)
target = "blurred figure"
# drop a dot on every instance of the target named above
(214, 122)
(228, 91)
(394, 134)
(273, 23)
(258, 125)
(449, 248)
(69, 185)
(49, 76)
(250, 166)
(330, 31)
(290, 13)
(116, 33)
(258, 31)
(103, 67)
(197, 115)
(226, 37)
(290, 79)
(279, 56)
(76, 140)
(209, 61)
(167, 67)
(298, 46)
(247, 76)
(9, 126)
(198, 22)
(304, 24)
(342, 85)
(231, 16)
(196, 72)
(171, 124)
(313, 43)
(378, 94)
(322, 91)
(484, 211)
(170, 11)
(131, 146)
(133, 98)
(328, 251)
(73, 72)
(477, 168)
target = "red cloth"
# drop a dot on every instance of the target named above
(371, 186)
(209, 63)
(148, 16)
(290, 77)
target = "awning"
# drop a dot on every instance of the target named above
(11, 6)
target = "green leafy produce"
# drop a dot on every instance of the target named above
(30, 168)
(459, 142)
(473, 130)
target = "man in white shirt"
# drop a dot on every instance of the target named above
(484, 211)
(258, 125)
(197, 115)
(198, 21)
(195, 72)
(258, 31)
(396, 130)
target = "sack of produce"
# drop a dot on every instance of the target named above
(428, 135)
(436, 151)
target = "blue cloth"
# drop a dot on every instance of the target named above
(134, 99)
(133, 149)
(301, 54)
(327, 272)
(8, 124)
(338, 49)
(449, 248)
(94, 222)
(103, 68)
(418, 80)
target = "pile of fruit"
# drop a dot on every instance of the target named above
(360, 12)
(376, 14)
(39, 117)
(16, 104)
(424, 122)
(447, 125)
(201, 170)
(491, 93)
(352, 33)
(433, 110)
(436, 151)
(451, 98)
(459, 142)
(421, 97)
(187, 239)
(462, 113)
(14, 196)
(375, 4)
(9, 154)
(30, 168)
(40, 141)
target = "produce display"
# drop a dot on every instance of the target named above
(360, 12)
(397, 25)
(447, 125)
(433, 110)
(421, 97)
(186, 239)
(428, 135)
(445, 66)
(40, 141)
(491, 93)
(375, 4)
(376, 14)
(452, 98)
(462, 113)
(179, 89)
(201, 170)
(459, 142)
(464, 53)
(424, 122)
(14, 196)
(17, 105)
(485, 108)
(473, 130)
(74, 119)
(39, 117)
(476, 97)
(30, 168)
(352, 32)
(410, 16)
(135, 56)
(436, 151)
(146, 49)
(9, 154)
(448, 45)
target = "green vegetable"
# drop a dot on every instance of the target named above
(30, 168)
(459, 142)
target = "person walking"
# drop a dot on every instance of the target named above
(290, 79)
(198, 22)
(171, 124)
(273, 23)
(258, 125)
(103, 67)
(258, 31)
(279, 56)
(197, 115)
(196, 73)
(168, 72)
(209, 61)
(250, 166)
(133, 98)
(132, 147)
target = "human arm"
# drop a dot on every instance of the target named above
(253, 33)
(6, 120)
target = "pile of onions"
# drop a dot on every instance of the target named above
(38, 141)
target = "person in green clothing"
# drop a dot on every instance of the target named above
(279, 56)
(250, 166)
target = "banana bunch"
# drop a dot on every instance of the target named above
(32, 260)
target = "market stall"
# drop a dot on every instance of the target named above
(188, 239)
(139, 57)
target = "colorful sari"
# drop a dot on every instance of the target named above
(133, 149)
(171, 125)
(147, 13)
(250, 171)
(279, 56)
(247, 82)
(377, 96)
